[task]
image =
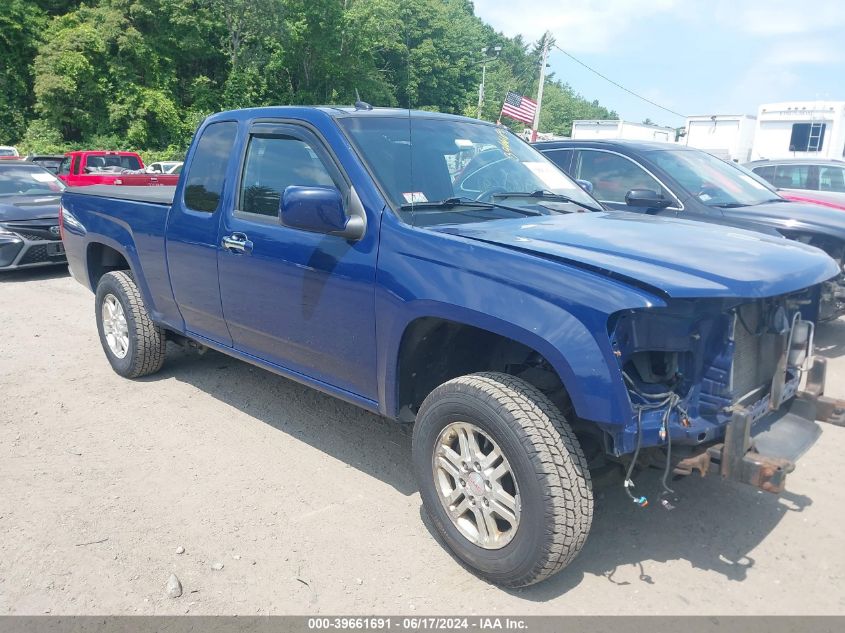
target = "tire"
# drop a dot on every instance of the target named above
(549, 481)
(144, 351)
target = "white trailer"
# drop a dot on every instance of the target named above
(542, 136)
(800, 129)
(598, 129)
(728, 136)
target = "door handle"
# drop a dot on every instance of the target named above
(237, 243)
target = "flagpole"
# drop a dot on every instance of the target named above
(536, 126)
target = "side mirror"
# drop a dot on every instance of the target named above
(319, 210)
(586, 185)
(646, 199)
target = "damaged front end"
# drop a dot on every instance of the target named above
(715, 385)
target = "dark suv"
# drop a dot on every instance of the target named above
(29, 217)
(667, 179)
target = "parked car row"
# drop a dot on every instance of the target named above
(438, 270)
(805, 180)
(99, 162)
(30, 190)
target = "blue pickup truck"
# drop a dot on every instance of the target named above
(438, 270)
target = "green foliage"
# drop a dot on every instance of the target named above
(42, 138)
(143, 73)
(20, 25)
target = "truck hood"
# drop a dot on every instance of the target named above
(18, 208)
(676, 258)
(793, 217)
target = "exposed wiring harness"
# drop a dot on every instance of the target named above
(671, 401)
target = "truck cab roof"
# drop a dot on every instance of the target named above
(338, 112)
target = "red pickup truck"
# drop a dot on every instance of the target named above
(109, 168)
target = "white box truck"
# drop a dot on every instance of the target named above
(598, 129)
(728, 136)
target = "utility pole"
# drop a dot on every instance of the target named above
(546, 42)
(481, 88)
(485, 61)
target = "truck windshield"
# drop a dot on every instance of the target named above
(715, 182)
(440, 171)
(21, 180)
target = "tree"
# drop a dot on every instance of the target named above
(143, 73)
(20, 23)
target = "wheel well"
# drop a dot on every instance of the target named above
(435, 350)
(103, 259)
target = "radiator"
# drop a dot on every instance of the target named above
(755, 354)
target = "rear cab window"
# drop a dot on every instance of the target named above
(207, 172)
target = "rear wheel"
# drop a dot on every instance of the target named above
(502, 477)
(134, 345)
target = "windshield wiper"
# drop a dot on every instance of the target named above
(730, 205)
(542, 194)
(449, 203)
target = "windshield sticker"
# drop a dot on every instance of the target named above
(413, 197)
(551, 176)
(43, 177)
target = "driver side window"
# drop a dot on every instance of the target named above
(613, 175)
(274, 163)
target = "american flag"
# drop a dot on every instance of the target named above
(519, 108)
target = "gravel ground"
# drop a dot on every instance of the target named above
(309, 506)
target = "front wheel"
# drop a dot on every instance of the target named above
(134, 345)
(502, 477)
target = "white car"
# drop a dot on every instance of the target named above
(8, 152)
(163, 167)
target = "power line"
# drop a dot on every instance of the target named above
(618, 85)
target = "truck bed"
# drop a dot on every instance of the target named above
(119, 216)
(155, 195)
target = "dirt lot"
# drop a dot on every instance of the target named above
(310, 506)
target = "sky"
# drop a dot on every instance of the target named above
(691, 56)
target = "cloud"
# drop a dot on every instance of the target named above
(578, 25)
(804, 51)
(596, 25)
(783, 17)
(778, 71)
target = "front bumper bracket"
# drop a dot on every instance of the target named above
(764, 452)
